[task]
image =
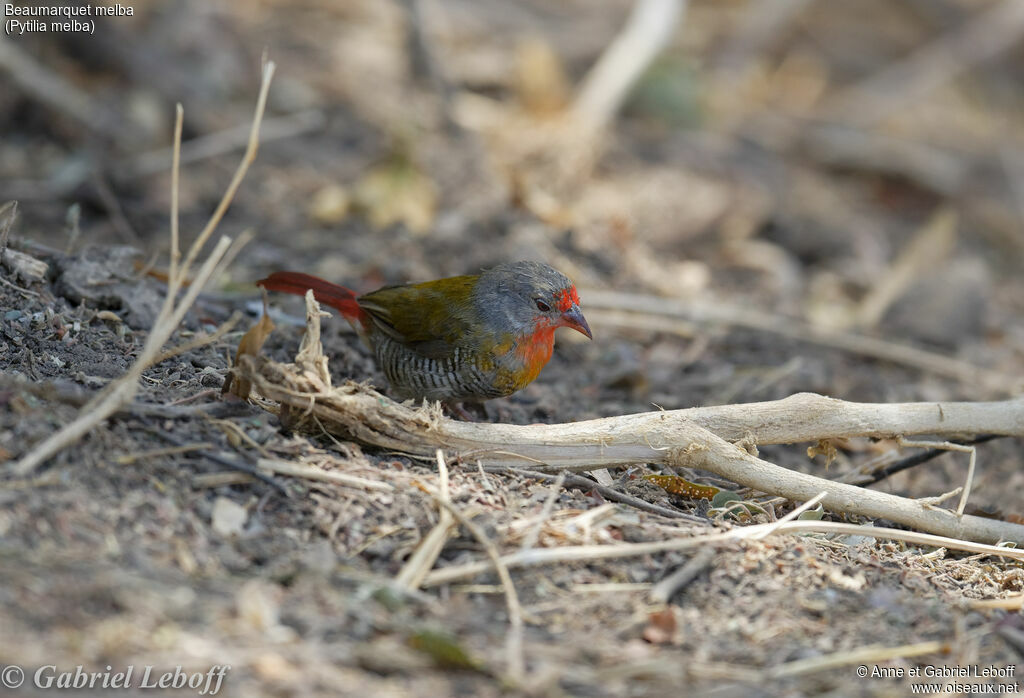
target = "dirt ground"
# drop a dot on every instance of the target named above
(788, 161)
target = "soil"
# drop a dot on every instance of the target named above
(139, 546)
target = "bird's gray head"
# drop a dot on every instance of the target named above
(524, 297)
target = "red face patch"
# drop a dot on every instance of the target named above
(567, 298)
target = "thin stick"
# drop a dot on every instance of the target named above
(129, 458)
(179, 118)
(791, 515)
(547, 556)
(530, 539)
(861, 655)
(605, 87)
(225, 460)
(308, 472)
(667, 587)
(223, 142)
(608, 493)
(243, 167)
(201, 340)
(883, 472)
(950, 446)
(419, 564)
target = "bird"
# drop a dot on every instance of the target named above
(459, 339)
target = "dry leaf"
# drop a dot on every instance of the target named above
(541, 84)
(661, 626)
(250, 345)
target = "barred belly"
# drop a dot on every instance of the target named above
(459, 376)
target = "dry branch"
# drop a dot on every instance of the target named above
(697, 438)
(606, 86)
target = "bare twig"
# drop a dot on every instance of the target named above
(530, 539)
(605, 87)
(872, 476)
(612, 495)
(422, 560)
(224, 459)
(200, 341)
(308, 472)
(949, 446)
(223, 142)
(926, 250)
(667, 587)
(860, 655)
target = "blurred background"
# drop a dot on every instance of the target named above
(755, 197)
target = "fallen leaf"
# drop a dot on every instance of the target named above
(250, 345)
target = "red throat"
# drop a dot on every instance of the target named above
(535, 350)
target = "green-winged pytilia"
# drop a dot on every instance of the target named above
(464, 338)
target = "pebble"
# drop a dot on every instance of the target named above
(13, 314)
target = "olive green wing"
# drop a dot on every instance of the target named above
(430, 318)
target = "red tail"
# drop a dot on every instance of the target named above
(324, 291)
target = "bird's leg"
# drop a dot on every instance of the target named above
(458, 410)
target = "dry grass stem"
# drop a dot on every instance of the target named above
(121, 392)
(862, 655)
(223, 142)
(419, 564)
(308, 472)
(960, 448)
(648, 30)
(201, 340)
(129, 458)
(924, 252)
(582, 553)
(530, 539)
(667, 587)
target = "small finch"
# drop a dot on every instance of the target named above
(464, 338)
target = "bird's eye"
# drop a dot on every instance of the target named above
(542, 306)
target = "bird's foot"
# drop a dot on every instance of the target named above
(458, 409)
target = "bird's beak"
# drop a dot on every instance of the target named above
(573, 317)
